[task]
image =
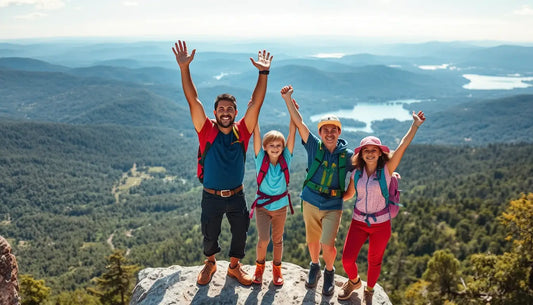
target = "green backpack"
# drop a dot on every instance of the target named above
(324, 186)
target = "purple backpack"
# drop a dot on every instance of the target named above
(391, 194)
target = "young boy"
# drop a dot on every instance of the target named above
(272, 195)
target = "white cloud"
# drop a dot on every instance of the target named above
(31, 16)
(39, 4)
(524, 11)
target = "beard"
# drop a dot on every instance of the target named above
(220, 123)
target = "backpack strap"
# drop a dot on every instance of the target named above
(324, 186)
(342, 171)
(235, 130)
(269, 201)
(263, 170)
(380, 173)
(319, 156)
(284, 168)
(265, 164)
(384, 193)
(383, 185)
(205, 144)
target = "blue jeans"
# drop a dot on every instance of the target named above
(213, 209)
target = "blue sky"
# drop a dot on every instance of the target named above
(389, 20)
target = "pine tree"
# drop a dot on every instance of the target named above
(442, 273)
(115, 285)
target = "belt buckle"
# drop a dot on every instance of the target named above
(225, 193)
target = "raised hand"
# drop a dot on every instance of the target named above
(182, 56)
(418, 118)
(263, 61)
(286, 92)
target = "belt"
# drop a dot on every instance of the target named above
(224, 193)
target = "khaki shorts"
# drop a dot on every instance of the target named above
(321, 226)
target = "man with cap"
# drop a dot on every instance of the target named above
(322, 191)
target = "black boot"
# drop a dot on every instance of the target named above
(313, 276)
(329, 282)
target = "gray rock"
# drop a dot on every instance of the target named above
(9, 288)
(177, 285)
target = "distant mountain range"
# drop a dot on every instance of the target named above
(139, 84)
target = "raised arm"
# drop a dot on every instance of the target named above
(258, 96)
(191, 94)
(257, 139)
(296, 117)
(291, 137)
(418, 119)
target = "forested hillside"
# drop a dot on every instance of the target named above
(70, 194)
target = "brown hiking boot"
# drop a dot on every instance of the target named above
(348, 288)
(205, 276)
(240, 275)
(277, 278)
(258, 275)
(368, 295)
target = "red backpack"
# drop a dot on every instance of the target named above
(206, 143)
(261, 176)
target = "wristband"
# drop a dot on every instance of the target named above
(265, 72)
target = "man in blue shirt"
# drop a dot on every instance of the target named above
(322, 194)
(223, 166)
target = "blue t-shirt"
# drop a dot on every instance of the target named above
(224, 161)
(274, 182)
(328, 170)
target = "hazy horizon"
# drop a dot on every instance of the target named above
(382, 21)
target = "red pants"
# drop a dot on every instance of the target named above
(378, 236)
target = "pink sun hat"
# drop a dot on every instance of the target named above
(371, 140)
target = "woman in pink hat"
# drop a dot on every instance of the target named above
(369, 158)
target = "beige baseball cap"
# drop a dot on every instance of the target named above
(329, 119)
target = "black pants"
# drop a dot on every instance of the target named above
(213, 209)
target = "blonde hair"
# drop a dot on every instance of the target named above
(272, 136)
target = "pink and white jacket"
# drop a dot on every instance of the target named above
(369, 198)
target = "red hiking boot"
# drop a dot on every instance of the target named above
(258, 275)
(277, 278)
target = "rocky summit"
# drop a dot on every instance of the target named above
(177, 285)
(9, 289)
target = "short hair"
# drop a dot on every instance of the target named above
(272, 136)
(226, 97)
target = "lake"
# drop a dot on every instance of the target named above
(367, 112)
(486, 82)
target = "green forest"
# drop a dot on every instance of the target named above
(73, 196)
